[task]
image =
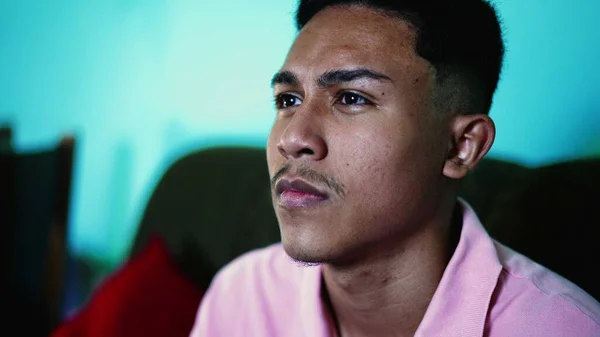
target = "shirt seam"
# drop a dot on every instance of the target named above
(533, 280)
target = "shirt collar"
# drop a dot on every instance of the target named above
(461, 301)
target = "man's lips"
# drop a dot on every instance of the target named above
(298, 193)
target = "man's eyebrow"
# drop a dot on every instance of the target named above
(284, 77)
(338, 76)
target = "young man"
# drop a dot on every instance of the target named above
(381, 109)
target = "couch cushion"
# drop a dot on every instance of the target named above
(148, 296)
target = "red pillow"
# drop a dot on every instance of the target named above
(147, 297)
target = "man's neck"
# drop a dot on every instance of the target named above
(388, 293)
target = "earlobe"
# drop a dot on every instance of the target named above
(471, 138)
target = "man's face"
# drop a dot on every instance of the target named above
(357, 148)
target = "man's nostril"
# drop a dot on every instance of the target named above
(307, 151)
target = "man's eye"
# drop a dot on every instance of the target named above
(351, 98)
(286, 100)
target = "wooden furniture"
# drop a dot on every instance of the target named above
(34, 212)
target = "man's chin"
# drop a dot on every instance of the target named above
(306, 255)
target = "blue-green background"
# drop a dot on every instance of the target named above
(142, 82)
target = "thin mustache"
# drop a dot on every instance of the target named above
(311, 176)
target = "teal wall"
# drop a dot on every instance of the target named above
(142, 82)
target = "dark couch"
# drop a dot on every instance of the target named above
(213, 205)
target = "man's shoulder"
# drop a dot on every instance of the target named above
(257, 294)
(267, 277)
(541, 295)
(268, 264)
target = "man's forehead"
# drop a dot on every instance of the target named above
(357, 25)
(341, 39)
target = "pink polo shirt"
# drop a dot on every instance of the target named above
(486, 290)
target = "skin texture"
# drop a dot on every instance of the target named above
(386, 157)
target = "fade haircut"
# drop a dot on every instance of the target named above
(461, 39)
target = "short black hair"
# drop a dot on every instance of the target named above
(461, 39)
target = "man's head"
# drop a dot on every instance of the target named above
(380, 106)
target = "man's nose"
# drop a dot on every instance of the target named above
(303, 138)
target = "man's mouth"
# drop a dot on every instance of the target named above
(298, 193)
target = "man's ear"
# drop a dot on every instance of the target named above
(471, 138)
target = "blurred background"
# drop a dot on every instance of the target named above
(141, 83)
